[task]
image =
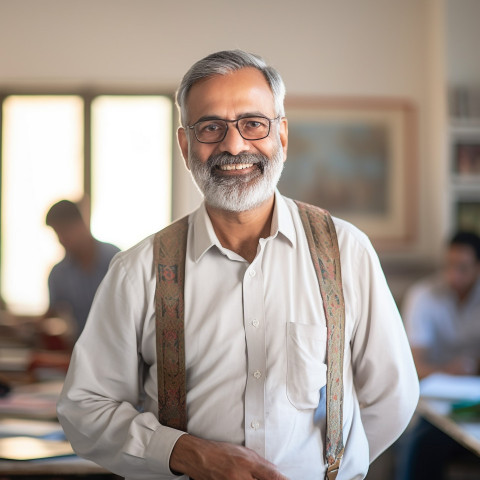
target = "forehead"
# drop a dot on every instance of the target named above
(227, 96)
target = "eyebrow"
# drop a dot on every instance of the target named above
(206, 118)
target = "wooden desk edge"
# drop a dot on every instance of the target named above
(448, 426)
(58, 466)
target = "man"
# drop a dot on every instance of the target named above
(442, 316)
(442, 313)
(72, 283)
(255, 331)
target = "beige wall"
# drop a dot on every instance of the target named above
(322, 47)
(463, 40)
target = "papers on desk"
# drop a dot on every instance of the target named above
(32, 401)
(22, 439)
(452, 388)
(27, 429)
(15, 427)
(27, 448)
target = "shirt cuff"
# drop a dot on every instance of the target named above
(160, 448)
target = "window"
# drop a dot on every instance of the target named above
(123, 165)
(131, 160)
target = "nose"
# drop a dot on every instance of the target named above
(233, 142)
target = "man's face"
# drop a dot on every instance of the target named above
(461, 269)
(234, 174)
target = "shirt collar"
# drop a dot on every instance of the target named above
(282, 221)
(204, 236)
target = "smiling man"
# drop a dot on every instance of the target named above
(252, 346)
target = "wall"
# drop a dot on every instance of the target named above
(322, 47)
(462, 40)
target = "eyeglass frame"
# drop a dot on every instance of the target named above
(270, 120)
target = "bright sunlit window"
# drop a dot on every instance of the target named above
(131, 167)
(42, 162)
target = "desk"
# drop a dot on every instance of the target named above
(438, 393)
(30, 410)
(73, 467)
(437, 413)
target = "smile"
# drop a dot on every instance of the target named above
(237, 166)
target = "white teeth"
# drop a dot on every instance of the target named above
(238, 166)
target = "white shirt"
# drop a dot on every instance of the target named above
(437, 322)
(255, 341)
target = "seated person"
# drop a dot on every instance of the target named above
(442, 313)
(442, 317)
(73, 282)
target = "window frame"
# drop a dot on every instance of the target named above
(88, 96)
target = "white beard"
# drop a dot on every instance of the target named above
(237, 193)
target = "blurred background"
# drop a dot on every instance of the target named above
(87, 113)
(86, 92)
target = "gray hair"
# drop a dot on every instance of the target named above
(223, 63)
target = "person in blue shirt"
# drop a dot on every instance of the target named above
(73, 281)
(442, 319)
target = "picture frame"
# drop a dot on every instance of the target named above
(357, 158)
(468, 215)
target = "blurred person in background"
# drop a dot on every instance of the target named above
(442, 313)
(442, 318)
(73, 281)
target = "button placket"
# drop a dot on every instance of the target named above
(253, 298)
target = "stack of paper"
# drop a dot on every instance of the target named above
(28, 448)
(453, 388)
(32, 401)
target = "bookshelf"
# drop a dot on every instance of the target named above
(464, 174)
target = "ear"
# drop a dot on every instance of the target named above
(183, 143)
(284, 136)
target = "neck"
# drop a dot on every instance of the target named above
(241, 231)
(87, 255)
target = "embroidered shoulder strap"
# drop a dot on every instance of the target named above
(323, 244)
(170, 246)
(169, 261)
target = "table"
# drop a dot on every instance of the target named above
(437, 413)
(29, 410)
(67, 467)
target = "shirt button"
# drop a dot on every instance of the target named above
(257, 374)
(255, 323)
(252, 273)
(255, 425)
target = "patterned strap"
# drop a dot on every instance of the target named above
(170, 245)
(323, 244)
(169, 258)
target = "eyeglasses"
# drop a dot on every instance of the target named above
(215, 129)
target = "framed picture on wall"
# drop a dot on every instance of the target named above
(468, 215)
(356, 157)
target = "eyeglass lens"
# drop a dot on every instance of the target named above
(250, 128)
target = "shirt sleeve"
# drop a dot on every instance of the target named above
(384, 373)
(97, 407)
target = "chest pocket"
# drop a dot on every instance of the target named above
(306, 370)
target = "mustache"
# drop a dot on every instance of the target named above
(220, 159)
